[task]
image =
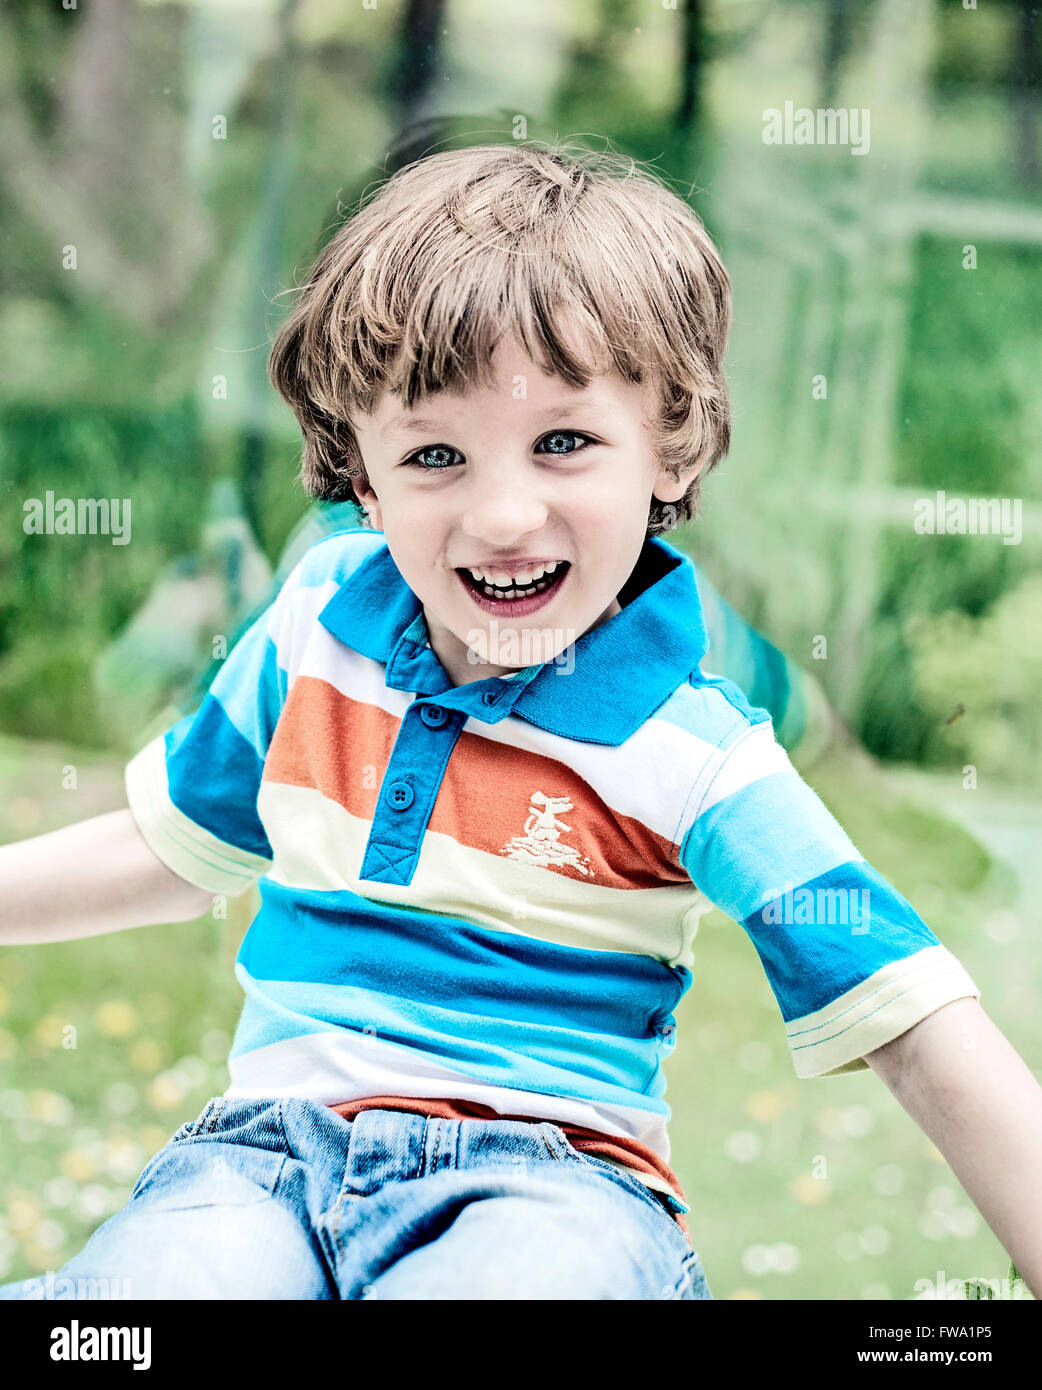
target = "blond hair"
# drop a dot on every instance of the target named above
(454, 250)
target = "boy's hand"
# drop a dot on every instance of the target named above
(96, 876)
(969, 1090)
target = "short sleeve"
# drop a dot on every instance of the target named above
(849, 961)
(193, 789)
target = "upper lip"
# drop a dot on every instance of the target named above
(512, 564)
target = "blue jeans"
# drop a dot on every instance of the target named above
(285, 1199)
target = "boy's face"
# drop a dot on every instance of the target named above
(506, 479)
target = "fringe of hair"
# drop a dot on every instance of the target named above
(455, 250)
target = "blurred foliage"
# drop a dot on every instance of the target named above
(970, 418)
(992, 664)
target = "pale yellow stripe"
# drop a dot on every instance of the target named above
(320, 846)
(835, 1039)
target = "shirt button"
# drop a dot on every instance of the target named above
(399, 796)
(433, 716)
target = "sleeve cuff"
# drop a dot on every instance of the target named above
(191, 851)
(835, 1039)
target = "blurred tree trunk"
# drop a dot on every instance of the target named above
(271, 223)
(108, 176)
(1025, 84)
(419, 60)
(835, 47)
(692, 57)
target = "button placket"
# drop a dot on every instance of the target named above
(411, 781)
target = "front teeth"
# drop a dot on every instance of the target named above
(520, 580)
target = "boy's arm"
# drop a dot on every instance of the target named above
(970, 1091)
(96, 876)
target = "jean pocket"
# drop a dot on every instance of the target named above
(254, 1122)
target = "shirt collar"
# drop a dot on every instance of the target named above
(600, 690)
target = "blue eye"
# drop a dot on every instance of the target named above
(443, 452)
(568, 434)
(432, 449)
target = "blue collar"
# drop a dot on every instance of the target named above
(602, 690)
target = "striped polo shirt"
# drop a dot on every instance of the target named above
(490, 892)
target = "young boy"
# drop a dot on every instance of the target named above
(487, 791)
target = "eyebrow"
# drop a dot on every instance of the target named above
(422, 424)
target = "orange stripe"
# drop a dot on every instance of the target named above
(484, 798)
(337, 746)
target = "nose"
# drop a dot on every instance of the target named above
(501, 511)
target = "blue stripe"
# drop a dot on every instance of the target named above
(214, 774)
(340, 938)
(811, 963)
(498, 1051)
(772, 832)
(251, 686)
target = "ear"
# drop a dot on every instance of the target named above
(670, 489)
(368, 501)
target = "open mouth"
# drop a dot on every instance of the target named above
(512, 592)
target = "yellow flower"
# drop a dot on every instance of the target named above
(146, 1055)
(23, 1211)
(40, 1256)
(116, 1018)
(765, 1106)
(48, 1031)
(77, 1165)
(123, 1157)
(809, 1190)
(50, 1107)
(165, 1091)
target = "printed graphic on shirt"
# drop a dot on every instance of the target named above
(541, 842)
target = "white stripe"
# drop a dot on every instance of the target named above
(320, 572)
(758, 756)
(293, 629)
(352, 675)
(331, 1067)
